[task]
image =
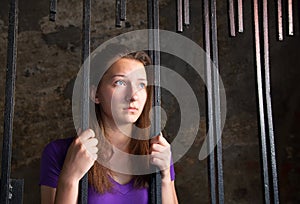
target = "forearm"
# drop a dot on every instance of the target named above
(67, 191)
(168, 192)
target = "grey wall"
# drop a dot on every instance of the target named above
(49, 58)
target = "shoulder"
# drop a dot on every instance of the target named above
(58, 146)
(55, 152)
(52, 161)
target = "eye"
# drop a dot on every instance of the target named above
(142, 85)
(120, 83)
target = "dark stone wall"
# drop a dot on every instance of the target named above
(49, 59)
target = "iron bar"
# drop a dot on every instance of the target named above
(53, 10)
(9, 101)
(240, 16)
(86, 24)
(153, 26)
(279, 20)
(261, 103)
(216, 98)
(211, 157)
(269, 103)
(231, 18)
(290, 14)
(118, 22)
(186, 12)
(123, 10)
(179, 16)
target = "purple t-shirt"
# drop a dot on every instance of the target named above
(51, 164)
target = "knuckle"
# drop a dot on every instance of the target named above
(91, 132)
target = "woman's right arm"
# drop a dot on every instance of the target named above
(80, 157)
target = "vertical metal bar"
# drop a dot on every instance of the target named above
(118, 13)
(279, 20)
(240, 16)
(153, 25)
(216, 92)
(231, 18)
(179, 16)
(9, 100)
(211, 157)
(83, 193)
(123, 10)
(290, 14)
(269, 103)
(186, 12)
(261, 103)
(53, 7)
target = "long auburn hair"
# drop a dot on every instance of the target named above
(98, 175)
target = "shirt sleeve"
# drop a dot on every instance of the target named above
(52, 161)
(172, 171)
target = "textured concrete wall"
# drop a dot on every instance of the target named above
(49, 59)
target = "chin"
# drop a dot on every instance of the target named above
(127, 120)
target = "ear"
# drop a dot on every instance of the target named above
(93, 94)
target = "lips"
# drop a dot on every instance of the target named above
(132, 108)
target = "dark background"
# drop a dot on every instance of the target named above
(49, 59)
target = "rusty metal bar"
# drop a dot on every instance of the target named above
(123, 10)
(211, 157)
(86, 30)
(118, 22)
(154, 51)
(261, 103)
(291, 19)
(269, 103)
(53, 10)
(240, 16)
(179, 16)
(231, 18)
(9, 101)
(279, 20)
(186, 12)
(216, 98)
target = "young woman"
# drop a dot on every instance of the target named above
(122, 101)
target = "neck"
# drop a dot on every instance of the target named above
(119, 136)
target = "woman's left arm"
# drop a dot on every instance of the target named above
(161, 157)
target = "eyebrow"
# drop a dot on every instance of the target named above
(124, 76)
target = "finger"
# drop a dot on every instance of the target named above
(160, 163)
(86, 135)
(157, 148)
(93, 150)
(91, 142)
(94, 156)
(159, 155)
(159, 139)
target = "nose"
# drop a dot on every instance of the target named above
(132, 93)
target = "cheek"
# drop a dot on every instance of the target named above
(144, 97)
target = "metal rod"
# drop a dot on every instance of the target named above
(231, 18)
(261, 103)
(279, 20)
(118, 22)
(123, 10)
(290, 14)
(240, 16)
(217, 108)
(86, 24)
(53, 10)
(153, 25)
(9, 101)
(186, 12)
(269, 103)
(211, 157)
(179, 16)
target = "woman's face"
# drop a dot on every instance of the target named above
(122, 92)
